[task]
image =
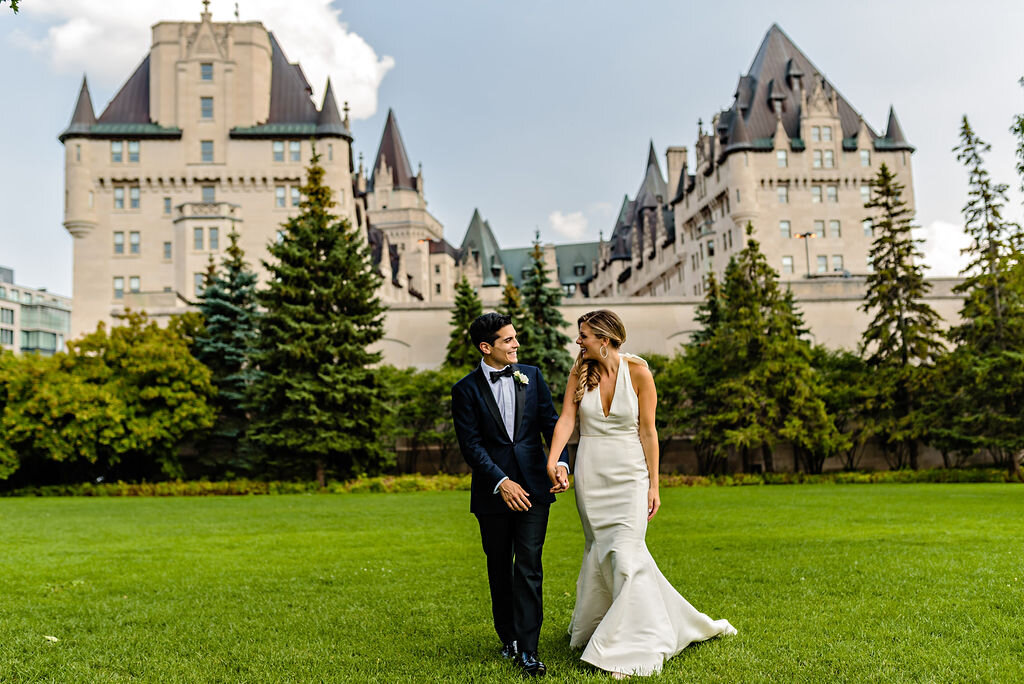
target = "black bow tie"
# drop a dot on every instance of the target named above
(504, 373)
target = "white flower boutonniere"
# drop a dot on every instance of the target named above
(521, 378)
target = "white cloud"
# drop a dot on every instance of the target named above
(571, 226)
(108, 38)
(942, 244)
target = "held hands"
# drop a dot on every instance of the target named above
(515, 496)
(559, 477)
(653, 502)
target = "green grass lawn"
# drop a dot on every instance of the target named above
(824, 583)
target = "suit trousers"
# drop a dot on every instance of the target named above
(513, 543)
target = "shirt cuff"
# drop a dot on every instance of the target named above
(499, 484)
(564, 465)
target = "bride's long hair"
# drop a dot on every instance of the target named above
(604, 324)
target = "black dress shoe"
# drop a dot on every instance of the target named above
(530, 665)
(510, 650)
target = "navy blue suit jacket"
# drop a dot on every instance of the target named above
(485, 443)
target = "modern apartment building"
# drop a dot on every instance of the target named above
(32, 319)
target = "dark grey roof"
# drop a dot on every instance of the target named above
(480, 239)
(84, 116)
(773, 75)
(571, 256)
(653, 185)
(442, 246)
(131, 104)
(328, 120)
(894, 138)
(290, 94)
(515, 259)
(392, 150)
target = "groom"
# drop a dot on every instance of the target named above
(501, 410)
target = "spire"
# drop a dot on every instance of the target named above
(739, 137)
(84, 116)
(328, 119)
(392, 152)
(894, 133)
(652, 158)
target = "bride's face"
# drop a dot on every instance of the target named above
(589, 343)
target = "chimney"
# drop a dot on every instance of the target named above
(675, 161)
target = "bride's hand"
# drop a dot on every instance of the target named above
(559, 478)
(653, 502)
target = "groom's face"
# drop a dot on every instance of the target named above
(504, 350)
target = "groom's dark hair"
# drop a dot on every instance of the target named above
(485, 328)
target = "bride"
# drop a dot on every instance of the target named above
(628, 618)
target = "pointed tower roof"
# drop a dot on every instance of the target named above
(392, 151)
(289, 90)
(84, 117)
(131, 104)
(894, 138)
(653, 185)
(738, 136)
(480, 239)
(329, 121)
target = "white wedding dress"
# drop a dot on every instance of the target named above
(628, 618)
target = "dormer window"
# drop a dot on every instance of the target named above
(826, 133)
(579, 269)
(815, 133)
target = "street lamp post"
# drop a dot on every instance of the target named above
(807, 250)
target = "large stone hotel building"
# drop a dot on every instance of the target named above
(213, 129)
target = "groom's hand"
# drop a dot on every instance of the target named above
(515, 496)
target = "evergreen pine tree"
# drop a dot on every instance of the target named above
(987, 367)
(512, 305)
(228, 307)
(316, 399)
(903, 336)
(543, 342)
(462, 353)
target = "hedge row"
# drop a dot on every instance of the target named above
(436, 483)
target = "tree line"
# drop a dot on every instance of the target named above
(277, 381)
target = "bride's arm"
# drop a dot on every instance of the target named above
(560, 436)
(647, 393)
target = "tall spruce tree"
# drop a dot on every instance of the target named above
(225, 346)
(987, 362)
(512, 304)
(462, 353)
(903, 336)
(316, 399)
(767, 391)
(543, 342)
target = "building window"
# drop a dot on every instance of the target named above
(871, 266)
(198, 280)
(834, 229)
(837, 262)
(206, 107)
(118, 287)
(279, 150)
(868, 228)
(118, 242)
(815, 134)
(330, 152)
(133, 284)
(819, 229)
(830, 159)
(780, 159)
(787, 264)
(295, 196)
(119, 197)
(116, 151)
(133, 197)
(579, 269)
(832, 192)
(816, 194)
(817, 159)
(865, 194)
(865, 157)
(279, 196)
(197, 238)
(826, 133)
(209, 194)
(134, 242)
(206, 151)
(280, 236)
(295, 150)
(6, 336)
(711, 248)
(167, 251)
(437, 288)
(785, 230)
(214, 239)
(437, 269)
(167, 205)
(78, 153)
(783, 192)
(822, 264)
(133, 151)
(7, 316)
(206, 71)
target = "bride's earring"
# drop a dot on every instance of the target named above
(603, 352)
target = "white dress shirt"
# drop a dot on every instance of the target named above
(504, 391)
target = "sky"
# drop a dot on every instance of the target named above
(538, 113)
